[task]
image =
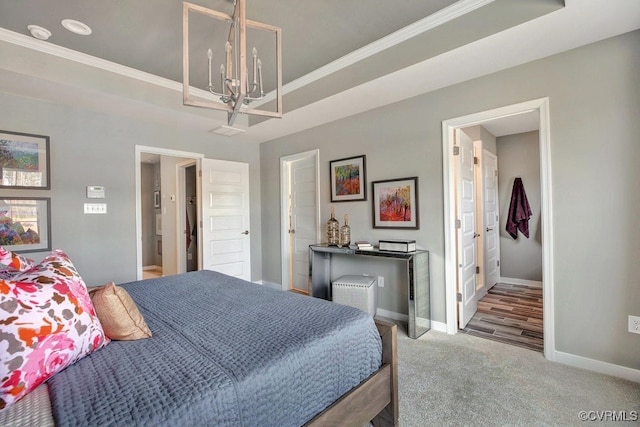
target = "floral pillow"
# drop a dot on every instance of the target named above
(47, 322)
(11, 263)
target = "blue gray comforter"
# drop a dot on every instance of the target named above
(224, 352)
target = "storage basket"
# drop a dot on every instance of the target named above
(356, 291)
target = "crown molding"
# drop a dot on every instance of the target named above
(447, 14)
(434, 20)
(82, 58)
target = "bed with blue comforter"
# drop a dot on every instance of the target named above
(224, 352)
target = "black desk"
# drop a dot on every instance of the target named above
(417, 265)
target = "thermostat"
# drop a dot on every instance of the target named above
(95, 192)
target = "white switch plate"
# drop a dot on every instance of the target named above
(95, 208)
(381, 281)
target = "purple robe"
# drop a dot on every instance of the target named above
(519, 211)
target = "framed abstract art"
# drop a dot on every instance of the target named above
(348, 179)
(395, 203)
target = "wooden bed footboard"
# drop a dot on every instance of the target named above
(376, 398)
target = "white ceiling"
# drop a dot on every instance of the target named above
(519, 123)
(349, 89)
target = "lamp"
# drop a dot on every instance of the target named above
(237, 87)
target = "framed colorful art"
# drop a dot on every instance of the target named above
(348, 179)
(395, 203)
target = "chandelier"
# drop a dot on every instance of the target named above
(236, 85)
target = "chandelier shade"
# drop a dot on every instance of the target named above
(222, 71)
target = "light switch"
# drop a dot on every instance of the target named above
(95, 208)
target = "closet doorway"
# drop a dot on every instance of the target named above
(513, 116)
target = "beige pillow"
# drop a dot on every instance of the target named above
(118, 313)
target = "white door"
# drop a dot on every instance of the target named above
(303, 227)
(300, 194)
(466, 232)
(226, 242)
(491, 219)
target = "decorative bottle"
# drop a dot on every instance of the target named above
(333, 230)
(345, 232)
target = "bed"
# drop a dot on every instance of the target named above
(229, 352)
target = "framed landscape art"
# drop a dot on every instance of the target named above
(348, 179)
(24, 161)
(395, 203)
(25, 224)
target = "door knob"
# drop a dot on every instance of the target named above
(245, 232)
(489, 229)
(292, 231)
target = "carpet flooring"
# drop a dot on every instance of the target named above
(462, 380)
(511, 314)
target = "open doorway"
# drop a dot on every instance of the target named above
(507, 303)
(160, 223)
(300, 217)
(452, 127)
(151, 215)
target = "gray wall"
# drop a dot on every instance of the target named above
(479, 133)
(594, 102)
(519, 156)
(91, 148)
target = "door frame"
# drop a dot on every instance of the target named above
(541, 106)
(139, 149)
(285, 186)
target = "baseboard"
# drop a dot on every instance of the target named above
(435, 326)
(151, 267)
(598, 366)
(524, 282)
(438, 326)
(268, 284)
(392, 315)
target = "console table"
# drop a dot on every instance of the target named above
(417, 265)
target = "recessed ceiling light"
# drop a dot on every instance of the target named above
(39, 32)
(76, 27)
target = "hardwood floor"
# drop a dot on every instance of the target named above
(511, 314)
(152, 273)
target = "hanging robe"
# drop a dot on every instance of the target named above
(519, 211)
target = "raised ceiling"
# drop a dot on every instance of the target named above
(339, 57)
(147, 34)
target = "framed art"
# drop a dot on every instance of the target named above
(24, 161)
(348, 179)
(395, 203)
(25, 224)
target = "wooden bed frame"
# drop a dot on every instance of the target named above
(375, 399)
